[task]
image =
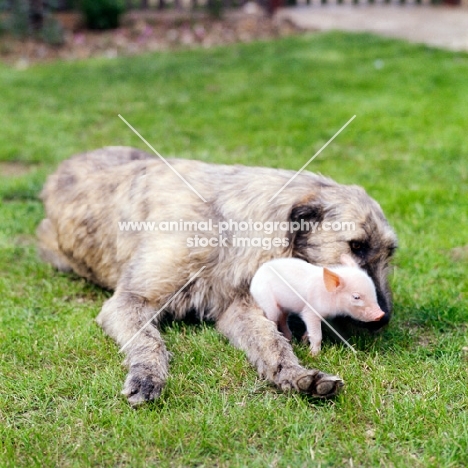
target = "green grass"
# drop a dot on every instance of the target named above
(275, 103)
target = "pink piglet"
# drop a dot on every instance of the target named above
(287, 285)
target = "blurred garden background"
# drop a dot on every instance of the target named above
(270, 100)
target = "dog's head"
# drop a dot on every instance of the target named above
(345, 220)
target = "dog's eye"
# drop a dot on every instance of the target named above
(358, 248)
(356, 296)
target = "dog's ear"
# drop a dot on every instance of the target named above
(311, 212)
(308, 212)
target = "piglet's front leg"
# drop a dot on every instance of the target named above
(314, 330)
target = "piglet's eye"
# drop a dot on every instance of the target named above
(356, 296)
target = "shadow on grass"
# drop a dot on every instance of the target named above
(411, 329)
(191, 320)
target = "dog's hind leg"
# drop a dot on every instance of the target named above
(245, 325)
(49, 249)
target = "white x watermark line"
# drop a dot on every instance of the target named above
(161, 309)
(312, 158)
(162, 159)
(313, 310)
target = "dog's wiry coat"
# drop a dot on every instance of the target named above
(90, 193)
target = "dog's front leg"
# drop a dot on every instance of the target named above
(123, 317)
(245, 325)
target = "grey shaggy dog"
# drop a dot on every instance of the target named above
(91, 193)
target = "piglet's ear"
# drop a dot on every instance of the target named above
(347, 260)
(332, 280)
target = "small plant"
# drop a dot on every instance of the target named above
(215, 8)
(102, 14)
(22, 24)
(17, 22)
(52, 31)
(3, 27)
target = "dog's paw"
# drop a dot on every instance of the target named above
(319, 384)
(142, 386)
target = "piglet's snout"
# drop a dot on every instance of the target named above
(374, 313)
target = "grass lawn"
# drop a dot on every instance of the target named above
(406, 397)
